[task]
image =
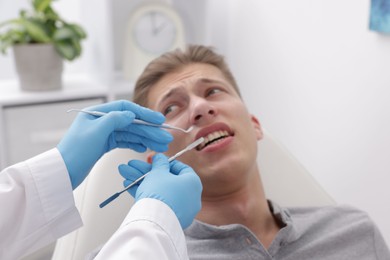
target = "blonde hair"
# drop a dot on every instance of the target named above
(175, 60)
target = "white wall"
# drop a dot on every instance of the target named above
(9, 10)
(319, 81)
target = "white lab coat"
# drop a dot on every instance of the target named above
(150, 231)
(37, 207)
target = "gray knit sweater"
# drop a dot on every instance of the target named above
(324, 233)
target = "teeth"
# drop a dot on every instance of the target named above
(213, 136)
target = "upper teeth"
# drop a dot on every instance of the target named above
(213, 136)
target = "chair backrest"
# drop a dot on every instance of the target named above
(286, 182)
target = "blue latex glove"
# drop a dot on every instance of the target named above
(90, 137)
(175, 184)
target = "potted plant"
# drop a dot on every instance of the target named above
(41, 39)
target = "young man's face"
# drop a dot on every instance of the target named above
(199, 95)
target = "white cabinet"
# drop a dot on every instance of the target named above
(31, 129)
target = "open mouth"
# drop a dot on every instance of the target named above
(213, 138)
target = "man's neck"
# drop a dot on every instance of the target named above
(247, 206)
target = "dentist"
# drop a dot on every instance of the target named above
(36, 198)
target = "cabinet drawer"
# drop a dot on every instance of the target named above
(33, 129)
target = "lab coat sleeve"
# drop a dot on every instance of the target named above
(151, 230)
(37, 205)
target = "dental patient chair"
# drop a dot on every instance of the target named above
(286, 182)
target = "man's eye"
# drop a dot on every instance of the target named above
(169, 109)
(213, 91)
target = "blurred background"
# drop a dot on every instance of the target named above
(312, 72)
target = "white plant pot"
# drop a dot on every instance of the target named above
(39, 67)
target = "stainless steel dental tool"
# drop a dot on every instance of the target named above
(135, 121)
(116, 195)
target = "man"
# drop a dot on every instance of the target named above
(195, 87)
(37, 201)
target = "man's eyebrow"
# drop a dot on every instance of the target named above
(170, 93)
(209, 81)
(179, 89)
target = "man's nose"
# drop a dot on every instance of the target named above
(202, 111)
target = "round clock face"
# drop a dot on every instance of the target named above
(154, 32)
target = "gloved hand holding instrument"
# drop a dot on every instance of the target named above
(90, 137)
(180, 178)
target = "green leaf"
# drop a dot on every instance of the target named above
(41, 5)
(77, 46)
(13, 21)
(5, 44)
(36, 31)
(63, 33)
(50, 14)
(66, 50)
(10, 38)
(23, 13)
(78, 30)
(69, 31)
(14, 36)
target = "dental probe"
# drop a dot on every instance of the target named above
(116, 195)
(135, 121)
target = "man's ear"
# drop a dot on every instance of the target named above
(149, 157)
(257, 126)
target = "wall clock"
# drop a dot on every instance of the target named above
(152, 29)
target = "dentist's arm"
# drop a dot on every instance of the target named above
(167, 201)
(37, 205)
